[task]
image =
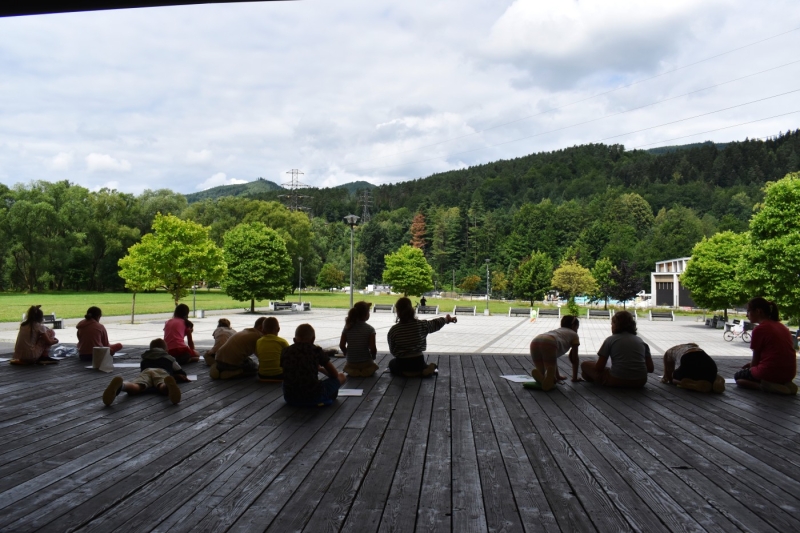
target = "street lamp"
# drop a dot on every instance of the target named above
(487, 286)
(351, 220)
(300, 280)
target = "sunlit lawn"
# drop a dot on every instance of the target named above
(74, 304)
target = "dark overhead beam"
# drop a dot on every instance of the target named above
(16, 8)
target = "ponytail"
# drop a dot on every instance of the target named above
(359, 312)
(767, 307)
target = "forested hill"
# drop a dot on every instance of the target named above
(240, 189)
(702, 176)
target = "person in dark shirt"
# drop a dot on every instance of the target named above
(302, 362)
(160, 372)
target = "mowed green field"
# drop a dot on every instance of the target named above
(74, 304)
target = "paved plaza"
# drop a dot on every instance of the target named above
(495, 334)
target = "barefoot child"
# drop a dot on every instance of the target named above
(546, 348)
(630, 357)
(268, 350)
(358, 342)
(774, 362)
(695, 369)
(160, 372)
(301, 363)
(235, 359)
(221, 335)
(408, 341)
(92, 333)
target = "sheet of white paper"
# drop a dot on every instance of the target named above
(4, 359)
(351, 392)
(519, 379)
(119, 354)
(192, 377)
(730, 380)
(126, 365)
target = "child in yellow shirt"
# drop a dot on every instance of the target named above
(268, 350)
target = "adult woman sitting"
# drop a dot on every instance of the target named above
(93, 334)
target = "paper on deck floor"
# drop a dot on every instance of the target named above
(351, 392)
(522, 378)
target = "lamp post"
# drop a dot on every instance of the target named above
(351, 220)
(300, 280)
(487, 286)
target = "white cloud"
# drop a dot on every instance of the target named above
(198, 158)
(104, 162)
(63, 161)
(219, 179)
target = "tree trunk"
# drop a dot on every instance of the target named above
(133, 306)
(252, 305)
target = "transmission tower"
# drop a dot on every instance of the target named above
(294, 199)
(365, 202)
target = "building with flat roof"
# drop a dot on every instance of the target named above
(665, 284)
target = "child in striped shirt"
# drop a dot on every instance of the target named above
(408, 341)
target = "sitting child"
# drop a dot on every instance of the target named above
(235, 359)
(302, 362)
(175, 329)
(268, 350)
(221, 335)
(630, 356)
(34, 340)
(774, 362)
(408, 341)
(695, 369)
(358, 342)
(160, 372)
(91, 334)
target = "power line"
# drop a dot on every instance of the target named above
(597, 95)
(365, 202)
(717, 129)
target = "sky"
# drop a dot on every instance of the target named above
(192, 97)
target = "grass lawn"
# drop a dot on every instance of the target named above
(74, 304)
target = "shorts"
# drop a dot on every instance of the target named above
(330, 391)
(249, 366)
(363, 369)
(398, 365)
(544, 347)
(150, 377)
(697, 366)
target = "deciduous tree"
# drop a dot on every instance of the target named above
(408, 272)
(330, 277)
(259, 267)
(532, 278)
(711, 274)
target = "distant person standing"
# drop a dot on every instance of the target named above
(422, 301)
(91, 334)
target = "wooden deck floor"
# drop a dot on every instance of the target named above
(465, 451)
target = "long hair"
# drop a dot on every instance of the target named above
(404, 309)
(623, 322)
(34, 315)
(181, 311)
(770, 309)
(359, 313)
(93, 313)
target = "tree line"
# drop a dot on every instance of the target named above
(609, 210)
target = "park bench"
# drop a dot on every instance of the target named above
(281, 306)
(549, 312)
(382, 307)
(428, 309)
(51, 319)
(465, 309)
(662, 315)
(598, 313)
(517, 311)
(305, 306)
